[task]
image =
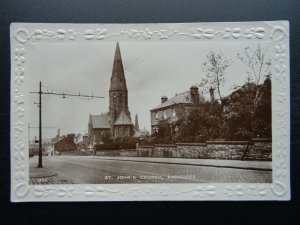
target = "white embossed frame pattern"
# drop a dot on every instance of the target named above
(272, 32)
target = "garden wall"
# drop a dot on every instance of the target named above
(259, 149)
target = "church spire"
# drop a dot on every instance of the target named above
(118, 81)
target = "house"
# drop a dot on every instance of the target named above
(66, 143)
(168, 110)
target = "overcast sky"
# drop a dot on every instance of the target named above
(152, 69)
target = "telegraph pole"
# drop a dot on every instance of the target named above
(40, 164)
(40, 92)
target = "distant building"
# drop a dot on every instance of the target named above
(65, 144)
(168, 109)
(142, 133)
(137, 131)
(118, 120)
(85, 140)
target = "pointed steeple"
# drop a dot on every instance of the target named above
(117, 80)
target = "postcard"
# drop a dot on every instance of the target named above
(150, 112)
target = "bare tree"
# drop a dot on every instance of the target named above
(259, 66)
(215, 68)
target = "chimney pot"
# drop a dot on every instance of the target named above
(164, 99)
(195, 94)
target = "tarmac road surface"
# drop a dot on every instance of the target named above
(99, 170)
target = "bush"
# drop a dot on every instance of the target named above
(107, 146)
(117, 145)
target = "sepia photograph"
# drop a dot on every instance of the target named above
(169, 104)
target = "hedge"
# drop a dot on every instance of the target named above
(115, 146)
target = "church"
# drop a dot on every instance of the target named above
(116, 123)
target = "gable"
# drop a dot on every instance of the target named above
(123, 119)
(184, 97)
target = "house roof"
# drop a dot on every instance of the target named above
(184, 97)
(100, 121)
(123, 119)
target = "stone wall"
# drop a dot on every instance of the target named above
(259, 149)
(129, 153)
(109, 153)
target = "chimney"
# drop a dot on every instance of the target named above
(58, 133)
(195, 95)
(212, 94)
(164, 99)
(136, 124)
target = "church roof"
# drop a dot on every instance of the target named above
(100, 121)
(184, 97)
(123, 119)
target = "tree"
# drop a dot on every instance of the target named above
(200, 123)
(215, 68)
(105, 137)
(163, 131)
(259, 67)
(238, 113)
(262, 123)
(242, 120)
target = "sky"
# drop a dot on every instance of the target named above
(152, 69)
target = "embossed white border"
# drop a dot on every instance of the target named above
(274, 32)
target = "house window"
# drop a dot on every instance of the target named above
(173, 112)
(165, 114)
(155, 129)
(156, 115)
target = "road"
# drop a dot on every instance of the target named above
(99, 170)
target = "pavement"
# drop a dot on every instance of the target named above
(249, 165)
(36, 172)
(44, 175)
(96, 169)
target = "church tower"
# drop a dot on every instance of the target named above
(120, 119)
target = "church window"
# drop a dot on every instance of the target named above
(120, 98)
